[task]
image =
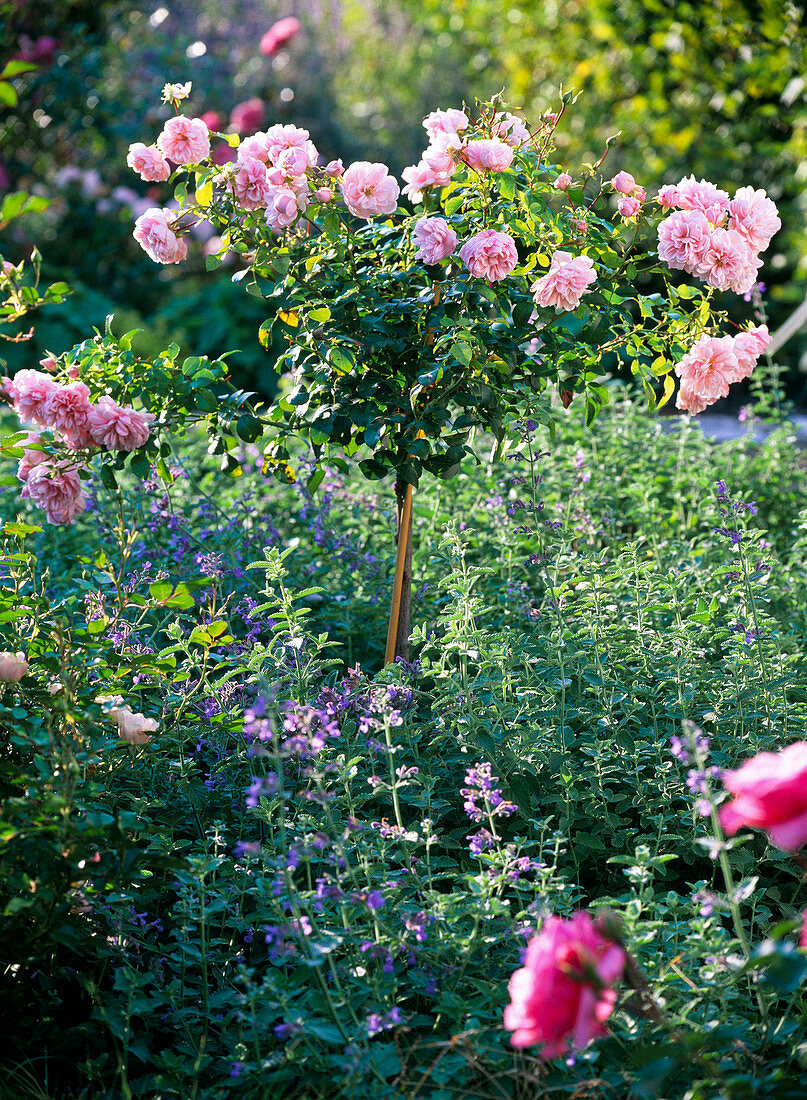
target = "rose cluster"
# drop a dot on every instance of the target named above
(714, 237)
(713, 363)
(79, 425)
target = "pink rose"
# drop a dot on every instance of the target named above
(770, 793)
(418, 178)
(490, 255)
(185, 140)
(323, 194)
(134, 728)
(709, 367)
(568, 279)
(279, 35)
(32, 389)
(154, 234)
(563, 993)
(282, 208)
(624, 183)
(563, 182)
(639, 193)
(748, 346)
(703, 196)
(683, 240)
(247, 116)
(13, 666)
(148, 162)
(118, 428)
(212, 120)
(628, 206)
(488, 155)
(56, 487)
(31, 455)
(268, 146)
(252, 185)
(511, 129)
(728, 261)
(435, 240)
(334, 169)
(67, 409)
(443, 156)
(754, 216)
(293, 161)
(451, 121)
(668, 197)
(369, 189)
(689, 400)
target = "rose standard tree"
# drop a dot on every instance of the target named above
(409, 334)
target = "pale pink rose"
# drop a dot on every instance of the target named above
(563, 994)
(726, 262)
(148, 162)
(13, 666)
(49, 363)
(323, 194)
(624, 183)
(443, 156)
(293, 161)
(279, 35)
(56, 487)
(134, 728)
(8, 388)
(268, 146)
(709, 367)
(435, 240)
(770, 793)
(568, 279)
(247, 116)
(451, 121)
(488, 155)
(31, 455)
(490, 255)
(32, 389)
(154, 234)
(689, 400)
(683, 239)
(639, 193)
(185, 140)
(701, 195)
(67, 409)
(668, 197)
(563, 182)
(368, 189)
(754, 216)
(748, 346)
(282, 208)
(251, 185)
(628, 206)
(418, 178)
(511, 129)
(334, 169)
(118, 427)
(580, 226)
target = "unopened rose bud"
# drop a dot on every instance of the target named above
(323, 194)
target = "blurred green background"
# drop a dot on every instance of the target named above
(717, 89)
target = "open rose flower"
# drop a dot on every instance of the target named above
(568, 279)
(488, 155)
(692, 194)
(689, 400)
(754, 216)
(282, 208)
(728, 262)
(770, 793)
(435, 240)
(66, 410)
(419, 177)
(563, 994)
(511, 129)
(709, 367)
(185, 140)
(451, 121)
(154, 233)
(134, 728)
(563, 182)
(684, 239)
(13, 666)
(118, 428)
(268, 145)
(251, 184)
(148, 162)
(32, 389)
(490, 255)
(31, 455)
(368, 189)
(56, 487)
(748, 346)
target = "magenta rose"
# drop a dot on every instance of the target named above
(247, 116)
(563, 993)
(490, 255)
(279, 35)
(185, 140)
(435, 240)
(368, 189)
(148, 162)
(770, 793)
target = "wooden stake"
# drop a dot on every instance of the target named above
(399, 619)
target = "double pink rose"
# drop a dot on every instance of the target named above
(148, 162)
(770, 793)
(13, 666)
(118, 427)
(435, 240)
(154, 232)
(490, 255)
(56, 487)
(368, 189)
(563, 993)
(713, 364)
(185, 140)
(488, 155)
(568, 279)
(251, 184)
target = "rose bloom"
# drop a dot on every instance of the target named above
(668, 197)
(689, 400)
(748, 346)
(628, 206)
(624, 183)
(511, 129)
(418, 178)
(490, 255)
(279, 35)
(32, 389)
(56, 488)
(435, 240)
(726, 261)
(148, 162)
(692, 194)
(323, 194)
(443, 156)
(247, 116)
(563, 993)
(709, 367)
(490, 155)
(683, 240)
(13, 666)
(268, 145)
(563, 182)
(185, 140)
(334, 169)
(293, 161)
(451, 121)
(154, 234)
(369, 189)
(31, 455)
(282, 208)
(770, 793)
(117, 427)
(134, 728)
(568, 279)
(67, 409)
(251, 185)
(753, 215)
(212, 120)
